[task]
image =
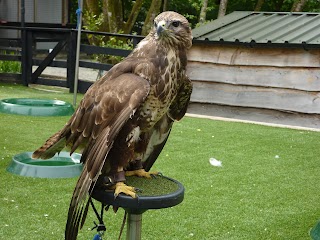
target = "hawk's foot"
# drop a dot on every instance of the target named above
(141, 173)
(120, 187)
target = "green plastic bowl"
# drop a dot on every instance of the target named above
(60, 166)
(315, 232)
(36, 107)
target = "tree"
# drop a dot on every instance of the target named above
(222, 8)
(107, 15)
(203, 12)
(279, 5)
(258, 5)
(298, 5)
(133, 16)
(165, 5)
(154, 10)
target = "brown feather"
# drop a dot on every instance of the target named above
(76, 119)
(53, 145)
(179, 106)
(158, 137)
(77, 143)
(90, 123)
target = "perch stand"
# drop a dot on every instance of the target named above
(157, 193)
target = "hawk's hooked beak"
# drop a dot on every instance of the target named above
(161, 27)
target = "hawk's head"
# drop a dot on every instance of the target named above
(172, 28)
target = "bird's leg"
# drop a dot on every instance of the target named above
(136, 169)
(115, 181)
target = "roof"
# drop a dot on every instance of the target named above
(290, 28)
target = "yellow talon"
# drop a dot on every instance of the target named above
(141, 173)
(120, 187)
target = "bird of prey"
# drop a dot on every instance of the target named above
(124, 119)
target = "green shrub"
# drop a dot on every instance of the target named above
(93, 23)
(9, 66)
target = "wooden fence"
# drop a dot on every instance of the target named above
(66, 40)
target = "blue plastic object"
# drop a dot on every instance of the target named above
(97, 237)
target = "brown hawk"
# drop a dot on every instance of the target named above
(124, 118)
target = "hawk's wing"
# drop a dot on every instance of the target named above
(105, 108)
(161, 131)
(100, 116)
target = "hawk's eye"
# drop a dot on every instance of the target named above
(176, 23)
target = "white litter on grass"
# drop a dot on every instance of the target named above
(276, 156)
(215, 162)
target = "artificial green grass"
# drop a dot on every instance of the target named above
(267, 188)
(155, 186)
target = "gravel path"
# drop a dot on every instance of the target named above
(84, 73)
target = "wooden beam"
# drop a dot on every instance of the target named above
(263, 116)
(89, 49)
(301, 78)
(258, 97)
(238, 55)
(48, 60)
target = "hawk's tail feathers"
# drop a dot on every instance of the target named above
(78, 206)
(53, 145)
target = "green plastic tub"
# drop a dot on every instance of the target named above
(36, 107)
(315, 232)
(60, 166)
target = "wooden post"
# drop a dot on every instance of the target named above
(71, 60)
(28, 58)
(23, 46)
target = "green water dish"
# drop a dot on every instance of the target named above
(60, 166)
(36, 107)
